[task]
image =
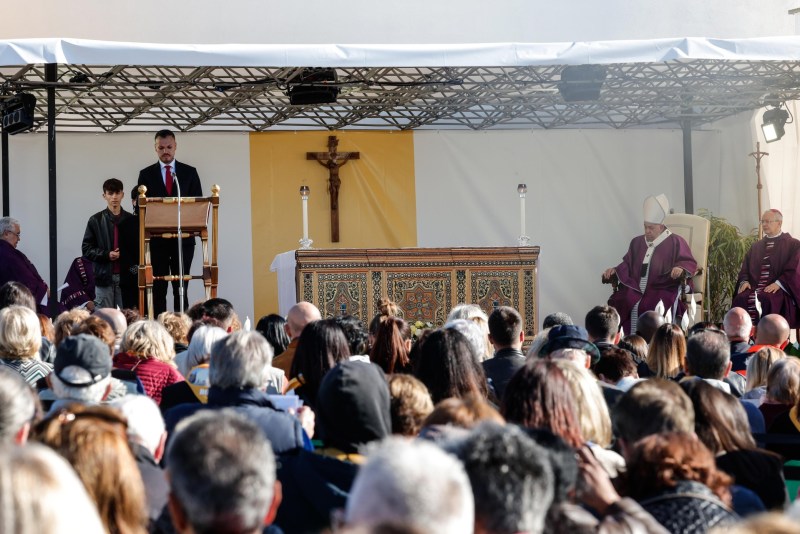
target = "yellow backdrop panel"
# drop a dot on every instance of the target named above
(377, 201)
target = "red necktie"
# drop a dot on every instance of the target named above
(168, 180)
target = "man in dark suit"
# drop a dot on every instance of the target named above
(160, 181)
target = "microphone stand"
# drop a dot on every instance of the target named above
(180, 241)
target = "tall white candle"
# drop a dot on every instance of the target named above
(305, 191)
(305, 217)
(522, 189)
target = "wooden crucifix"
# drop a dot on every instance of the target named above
(333, 160)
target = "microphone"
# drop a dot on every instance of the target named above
(180, 241)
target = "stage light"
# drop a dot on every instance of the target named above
(313, 86)
(581, 83)
(18, 113)
(773, 123)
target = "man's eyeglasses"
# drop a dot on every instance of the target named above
(15, 233)
(765, 221)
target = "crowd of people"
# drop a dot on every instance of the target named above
(113, 423)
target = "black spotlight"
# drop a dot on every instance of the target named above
(581, 83)
(18, 113)
(313, 86)
(773, 124)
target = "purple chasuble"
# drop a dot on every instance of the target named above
(672, 252)
(781, 264)
(15, 267)
(80, 290)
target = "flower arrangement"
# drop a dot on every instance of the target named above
(418, 327)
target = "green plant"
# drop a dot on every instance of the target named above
(726, 249)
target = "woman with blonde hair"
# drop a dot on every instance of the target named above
(93, 439)
(666, 354)
(758, 366)
(410, 404)
(20, 341)
(147, 349)
(783, 390)
(593, 415)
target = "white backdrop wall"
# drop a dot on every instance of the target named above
(86, 160)
(585, 192)
(410, 21)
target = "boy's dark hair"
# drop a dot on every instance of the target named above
(112, 185)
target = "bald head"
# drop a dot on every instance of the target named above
(772, 330)
(737, 324)
(647, 324)
(299, 316)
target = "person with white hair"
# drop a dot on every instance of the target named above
(513, 500)
(238, 375)
(193, 365)
(16, 267)
(652, 269)
(474, 313)
(17, 407)
(222, 475)
(42, 493)
(412, 483)
(147, 437)
(20, 341)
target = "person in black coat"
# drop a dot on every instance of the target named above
(160, 181)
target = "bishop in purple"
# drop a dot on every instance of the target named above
(651, 269)
(15, 266)
(771, 270)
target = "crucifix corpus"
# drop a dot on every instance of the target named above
(333, 160)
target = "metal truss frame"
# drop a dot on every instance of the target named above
(120, 98)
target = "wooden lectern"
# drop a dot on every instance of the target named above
(158, 217)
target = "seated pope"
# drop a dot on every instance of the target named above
(652, 269)
(771, 270)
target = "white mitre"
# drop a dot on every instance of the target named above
(656, 209)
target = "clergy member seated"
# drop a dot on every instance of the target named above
(15, 266)
(771, 270)
(652, 268)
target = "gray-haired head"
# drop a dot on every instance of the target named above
(240, 361)
(8, 224)
(199, 350)
(145, 424)
(511, 478)
(414, 483)
(471, 331)
(222, 473)
(467, 311)
(17, 406)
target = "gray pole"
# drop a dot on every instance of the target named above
(688, 182)
(50, 76)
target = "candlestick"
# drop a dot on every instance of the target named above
(305, 192)
(524, 240)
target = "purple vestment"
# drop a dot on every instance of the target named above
(15, 267)
(672, 252)
(784, 267)
(80, 290)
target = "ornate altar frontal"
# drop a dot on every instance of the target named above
(425, 282)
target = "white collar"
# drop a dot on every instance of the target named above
(773, 236)
(171, 164)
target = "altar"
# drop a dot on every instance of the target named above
(426, 283)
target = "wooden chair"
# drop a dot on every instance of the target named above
(696, 231)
